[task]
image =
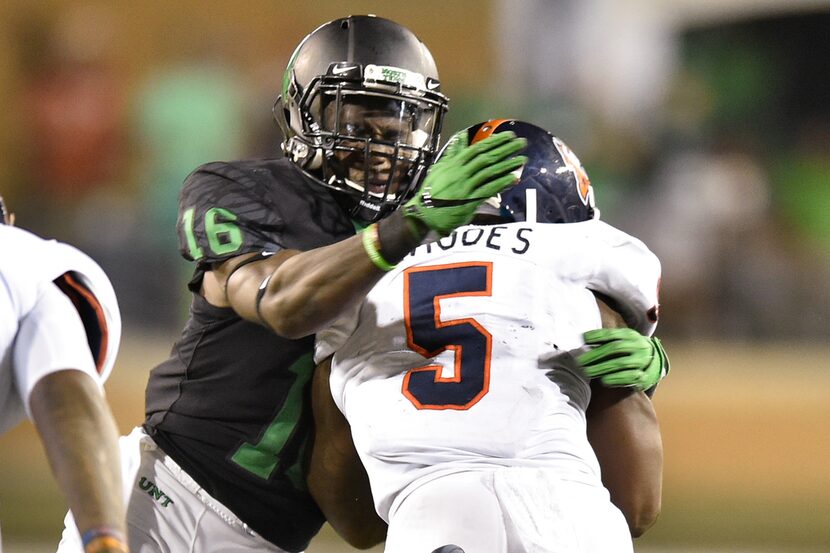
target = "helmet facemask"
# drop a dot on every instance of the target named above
(368, 133)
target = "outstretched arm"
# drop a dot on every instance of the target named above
(298, 293)
(336, 477)
(295, 293)
(80, 438)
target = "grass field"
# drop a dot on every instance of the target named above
(745, 434)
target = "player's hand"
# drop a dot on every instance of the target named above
(464, 177)
(624, 357)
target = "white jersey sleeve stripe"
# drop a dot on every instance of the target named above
(92, 316)
(51, 338)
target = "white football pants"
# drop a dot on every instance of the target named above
(508, 510)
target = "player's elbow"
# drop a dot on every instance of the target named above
(642, 516)
(287, 320)
(292, 313)
(289, 327)
(364, 536)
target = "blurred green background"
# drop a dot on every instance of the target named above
(704, 125)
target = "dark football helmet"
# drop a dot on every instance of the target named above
(553, 179)
(361, 112)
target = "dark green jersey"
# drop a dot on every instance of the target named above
(231, 405)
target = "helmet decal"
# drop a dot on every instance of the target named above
(487, 129)
(395, 75)
(583, 183)
(552, 187)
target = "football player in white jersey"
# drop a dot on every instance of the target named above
(60, 329)
(466, 383)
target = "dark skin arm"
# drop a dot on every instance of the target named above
(625, 435)
(336, 477)
(306, 291)
(80, 438)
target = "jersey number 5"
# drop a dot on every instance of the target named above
(428, 335)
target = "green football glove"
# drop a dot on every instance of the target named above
(624, 357)
(463, 178)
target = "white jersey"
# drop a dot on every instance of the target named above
(443, 367)
(57, 311)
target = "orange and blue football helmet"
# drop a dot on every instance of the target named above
(553, 186)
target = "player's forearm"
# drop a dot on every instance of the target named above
(298, 293)
(80, 438)
(311, 289)
(625, 434)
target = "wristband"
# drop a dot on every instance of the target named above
(371, 245)
(398, 235)
(103, 538)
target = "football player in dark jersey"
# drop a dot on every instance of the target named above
(281, 247)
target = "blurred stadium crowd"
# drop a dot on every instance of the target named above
(704, 126)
